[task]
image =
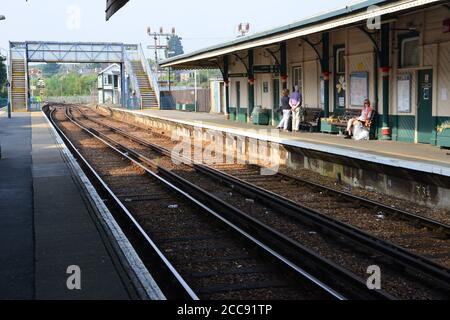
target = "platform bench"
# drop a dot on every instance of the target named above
(340, 125)
(310, 119)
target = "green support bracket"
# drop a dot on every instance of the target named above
(227, 83)
(385, 69)
(283, 64)
(251, 83)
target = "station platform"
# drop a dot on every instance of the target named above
(46, 223)
(423, 158)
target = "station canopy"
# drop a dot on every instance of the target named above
(357, 14)
(112, 6)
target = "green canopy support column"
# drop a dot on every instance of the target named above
(226, 80)
(385, 71)
(325, 63)
(251, 85)
(283, 64)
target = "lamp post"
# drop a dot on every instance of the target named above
(8, 86)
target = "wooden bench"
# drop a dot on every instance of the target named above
(340, 125)
(310, 119)
(346, 117)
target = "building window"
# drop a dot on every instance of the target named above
(410, 53)
(297, 77)
(108, 79)
(340, 60)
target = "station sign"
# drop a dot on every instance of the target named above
(266, 69)
(237, 75)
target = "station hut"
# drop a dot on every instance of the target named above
(394, 52)
(109, 89)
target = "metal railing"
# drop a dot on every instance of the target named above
(134, 103)
(152, 75)
(132, 75)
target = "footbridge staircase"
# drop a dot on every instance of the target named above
(139, 82)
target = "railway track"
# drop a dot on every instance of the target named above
(418, 267)
(392, 224)
(212, 257)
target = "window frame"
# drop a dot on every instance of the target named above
(403, 40)
(338, 63)
(300, 79)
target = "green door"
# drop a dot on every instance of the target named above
(425, 106)
(276, 100)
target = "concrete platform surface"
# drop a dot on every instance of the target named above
(425, 158)
(46, 225)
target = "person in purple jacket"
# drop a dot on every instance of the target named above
(296, 102)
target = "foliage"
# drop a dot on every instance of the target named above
(203, 77)
(3, 78)
(175, 47)
(66, 85)
(50, 69)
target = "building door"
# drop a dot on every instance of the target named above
(276, 100)
(425, 106)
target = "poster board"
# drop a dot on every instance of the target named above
(359, 88)
(404, 93)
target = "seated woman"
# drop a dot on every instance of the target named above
(364, 119)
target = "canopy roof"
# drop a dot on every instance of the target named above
(112, 6)
(352, 15)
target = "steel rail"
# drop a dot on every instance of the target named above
(397, 254)
(188, 291)
(290, 248)
(429, 223)
(329, 268)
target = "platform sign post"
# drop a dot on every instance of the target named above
(8, 86)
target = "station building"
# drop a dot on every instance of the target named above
(396, 53)
(108, 85)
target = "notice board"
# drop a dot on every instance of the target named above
(359, 88)
(404, 93)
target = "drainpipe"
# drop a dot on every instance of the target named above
(251, 85)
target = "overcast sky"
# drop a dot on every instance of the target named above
(199, 22)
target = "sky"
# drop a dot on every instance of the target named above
(200, 23)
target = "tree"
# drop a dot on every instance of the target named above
(3, 78)
(175, 46)
(50, 69)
